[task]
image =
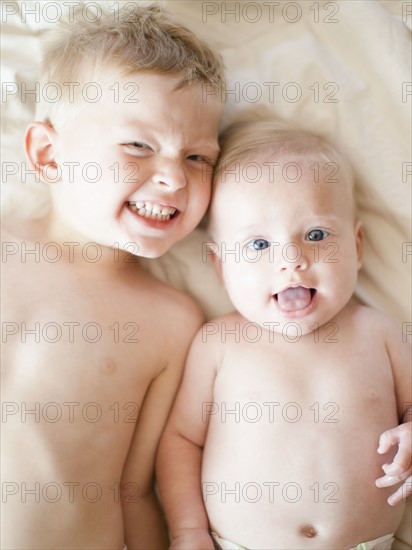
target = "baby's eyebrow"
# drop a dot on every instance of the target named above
(321, 218)
(249, 231)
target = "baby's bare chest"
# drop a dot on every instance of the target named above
(299, 382)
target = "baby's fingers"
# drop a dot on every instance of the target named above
(402, 493)
(389, 480)
(401, 436)
(388, 439)
(401, 462)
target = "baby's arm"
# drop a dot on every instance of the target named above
(180, 452)
(144, 522)
(400, 470)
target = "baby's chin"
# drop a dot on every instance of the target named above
(293, 329)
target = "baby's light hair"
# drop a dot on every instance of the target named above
(249, 139)
(246, 140)
(147, 40)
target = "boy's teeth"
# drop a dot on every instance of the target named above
(152, 210)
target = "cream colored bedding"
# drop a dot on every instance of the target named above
(341, 68)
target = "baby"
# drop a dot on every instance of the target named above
(291, 407)
(94, 347)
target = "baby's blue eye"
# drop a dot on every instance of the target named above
(259, 244)
(316, 235)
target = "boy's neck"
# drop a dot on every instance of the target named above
(81, 251)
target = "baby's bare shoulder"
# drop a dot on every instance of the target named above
(365, 318)
(228, 321)
(221, 331)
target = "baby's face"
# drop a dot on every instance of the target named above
(289, 251)
(141, 161)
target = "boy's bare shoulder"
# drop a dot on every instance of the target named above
(18, 236)
(21, 229)
(171, 305)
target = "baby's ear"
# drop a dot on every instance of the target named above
(212, 252)
(359, 236)
(40, 150)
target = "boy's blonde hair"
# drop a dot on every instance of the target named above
(246, 140)
(149, 39)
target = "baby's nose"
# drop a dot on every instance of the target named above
(293, 258)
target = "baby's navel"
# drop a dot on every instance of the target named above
(308, 531)
(108, 365)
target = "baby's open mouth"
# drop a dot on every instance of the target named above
(295, 298)
(152, 210)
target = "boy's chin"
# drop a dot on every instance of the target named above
(151, 255)
(152, 252)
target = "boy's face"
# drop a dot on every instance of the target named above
(289, 251)
(140, 161)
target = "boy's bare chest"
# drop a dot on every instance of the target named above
(75, 335)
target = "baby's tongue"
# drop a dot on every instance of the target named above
(294, 298)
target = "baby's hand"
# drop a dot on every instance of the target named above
(193, 539)
(401, 468)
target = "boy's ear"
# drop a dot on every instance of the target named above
(359, 236)
(212, 252)
(40, 150)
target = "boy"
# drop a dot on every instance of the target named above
(283, 403)
(94, 346)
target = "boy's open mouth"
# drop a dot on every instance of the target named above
(295, 299)
(152, 210)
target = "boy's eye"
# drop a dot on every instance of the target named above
(259, 244)
(316, 235)
(200, 158)
(138, 145)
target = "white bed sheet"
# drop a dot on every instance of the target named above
(355, 52)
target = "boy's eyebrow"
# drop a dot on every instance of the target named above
(212, 145)
(137, 124)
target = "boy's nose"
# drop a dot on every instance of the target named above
(170, 173)
(293, 258)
